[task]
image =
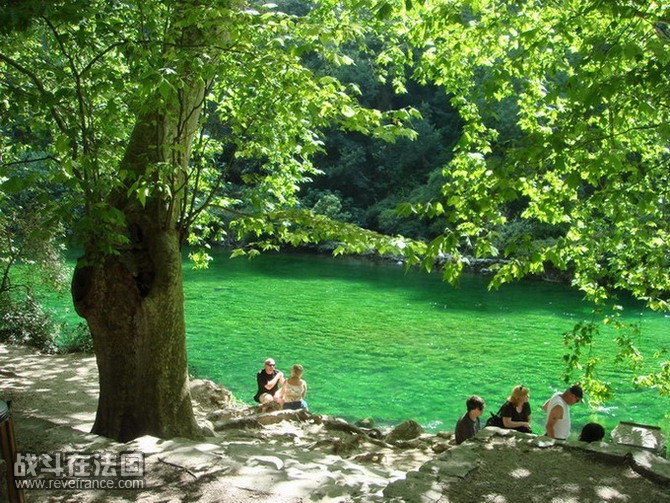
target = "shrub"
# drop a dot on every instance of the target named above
(75, 340)
(24, 321)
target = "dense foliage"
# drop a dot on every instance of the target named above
(586, 84)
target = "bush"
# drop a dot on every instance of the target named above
(24, 321)
(75, 340)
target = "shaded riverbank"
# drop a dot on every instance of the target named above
(298, 459)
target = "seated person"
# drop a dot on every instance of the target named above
(293, 392)
(468, 425)
(268, 380)
(516, 411)
(592, 432)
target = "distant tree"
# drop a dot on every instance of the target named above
(30, 236)
(372, 175)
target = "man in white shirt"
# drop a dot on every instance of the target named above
(558, 411)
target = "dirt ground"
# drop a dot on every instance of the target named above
(54, 401)
(553, 475)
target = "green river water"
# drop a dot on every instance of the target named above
(381, 342)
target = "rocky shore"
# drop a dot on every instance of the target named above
(296, 456)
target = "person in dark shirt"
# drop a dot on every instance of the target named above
(268, 379)
(468, 425)
(516, 411)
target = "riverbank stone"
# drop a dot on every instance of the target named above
(652, 467)
(643, 436)
(407, 430)
(209, 394)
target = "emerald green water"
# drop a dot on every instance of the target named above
(378, 341)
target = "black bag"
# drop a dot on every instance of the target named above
(496, 419)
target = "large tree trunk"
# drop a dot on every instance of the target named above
(133, 301)
(136, 315)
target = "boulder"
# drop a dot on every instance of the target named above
(367, 422)
(643, 436)
(408, 430)
(210, 395)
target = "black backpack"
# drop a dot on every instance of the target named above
(496, 419)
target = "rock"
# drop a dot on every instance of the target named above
(373, 433)
(414, 489)
(206, 428)
(441, 447)
(368, 422)
(282, 415)
(221, 415)
(238, 423)
(271, 461)
(652, 467)
(410, 444)
(369, 457)
(405, 431)
(210, 395)
(644, 436)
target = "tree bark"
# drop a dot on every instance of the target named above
(136, 317)
(134, 305)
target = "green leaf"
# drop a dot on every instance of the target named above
(347, 111)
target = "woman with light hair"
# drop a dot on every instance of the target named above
(294, 390)
(516, 411)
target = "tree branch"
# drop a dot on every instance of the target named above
(27, 161)
(40, 87)
(77, 80)
(613, 135)
(90, 64)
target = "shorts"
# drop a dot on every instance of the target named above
(301, 404)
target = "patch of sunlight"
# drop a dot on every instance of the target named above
(495, 498)
(572, 488)
(520, 473)
(568, 499)
(610, 494)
